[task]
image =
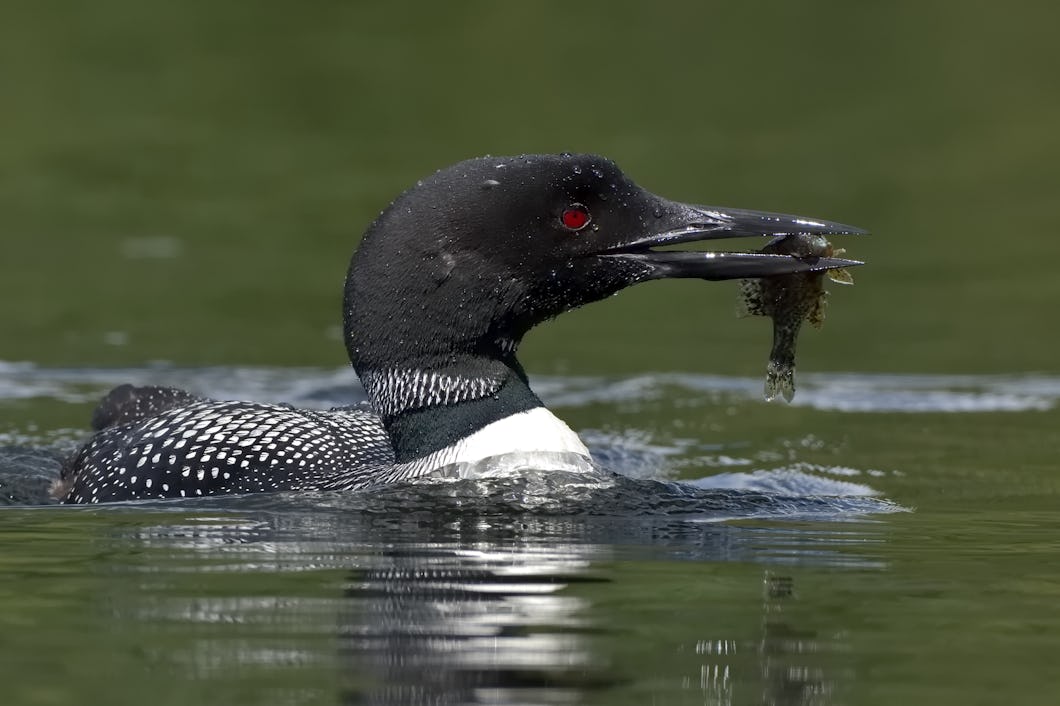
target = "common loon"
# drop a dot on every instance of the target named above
(438, 296)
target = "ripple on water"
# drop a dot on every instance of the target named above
(28, 460)
(848, 392)
(313, 387)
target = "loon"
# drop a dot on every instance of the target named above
(439, 294)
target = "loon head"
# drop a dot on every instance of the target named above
(457, 269)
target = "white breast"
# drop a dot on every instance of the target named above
(532, 439)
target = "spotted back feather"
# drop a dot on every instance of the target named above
(210, 447)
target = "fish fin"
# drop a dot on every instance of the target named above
(780, 380)
(840, 276)
(815, 315)
(750, 302)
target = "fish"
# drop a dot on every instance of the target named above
(789, 300)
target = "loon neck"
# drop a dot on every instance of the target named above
(425, 411)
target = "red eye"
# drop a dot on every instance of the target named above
(575, 217)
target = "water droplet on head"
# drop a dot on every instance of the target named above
(657, 212)
(576, 169)
(599, 174)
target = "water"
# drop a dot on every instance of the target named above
(181, 185)
(715, 569)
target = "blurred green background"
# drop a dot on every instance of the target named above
(185, 181)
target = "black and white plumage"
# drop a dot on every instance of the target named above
(438, 296)
(206, 447)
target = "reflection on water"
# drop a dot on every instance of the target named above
(789, 658)
(790, 672)
(470, 626)
(472, 609)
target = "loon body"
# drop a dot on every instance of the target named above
(438, 296)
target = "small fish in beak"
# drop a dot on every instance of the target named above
(789, 300)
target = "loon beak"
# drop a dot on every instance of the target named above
(683, 223)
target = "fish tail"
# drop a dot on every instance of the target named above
(780, 381)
